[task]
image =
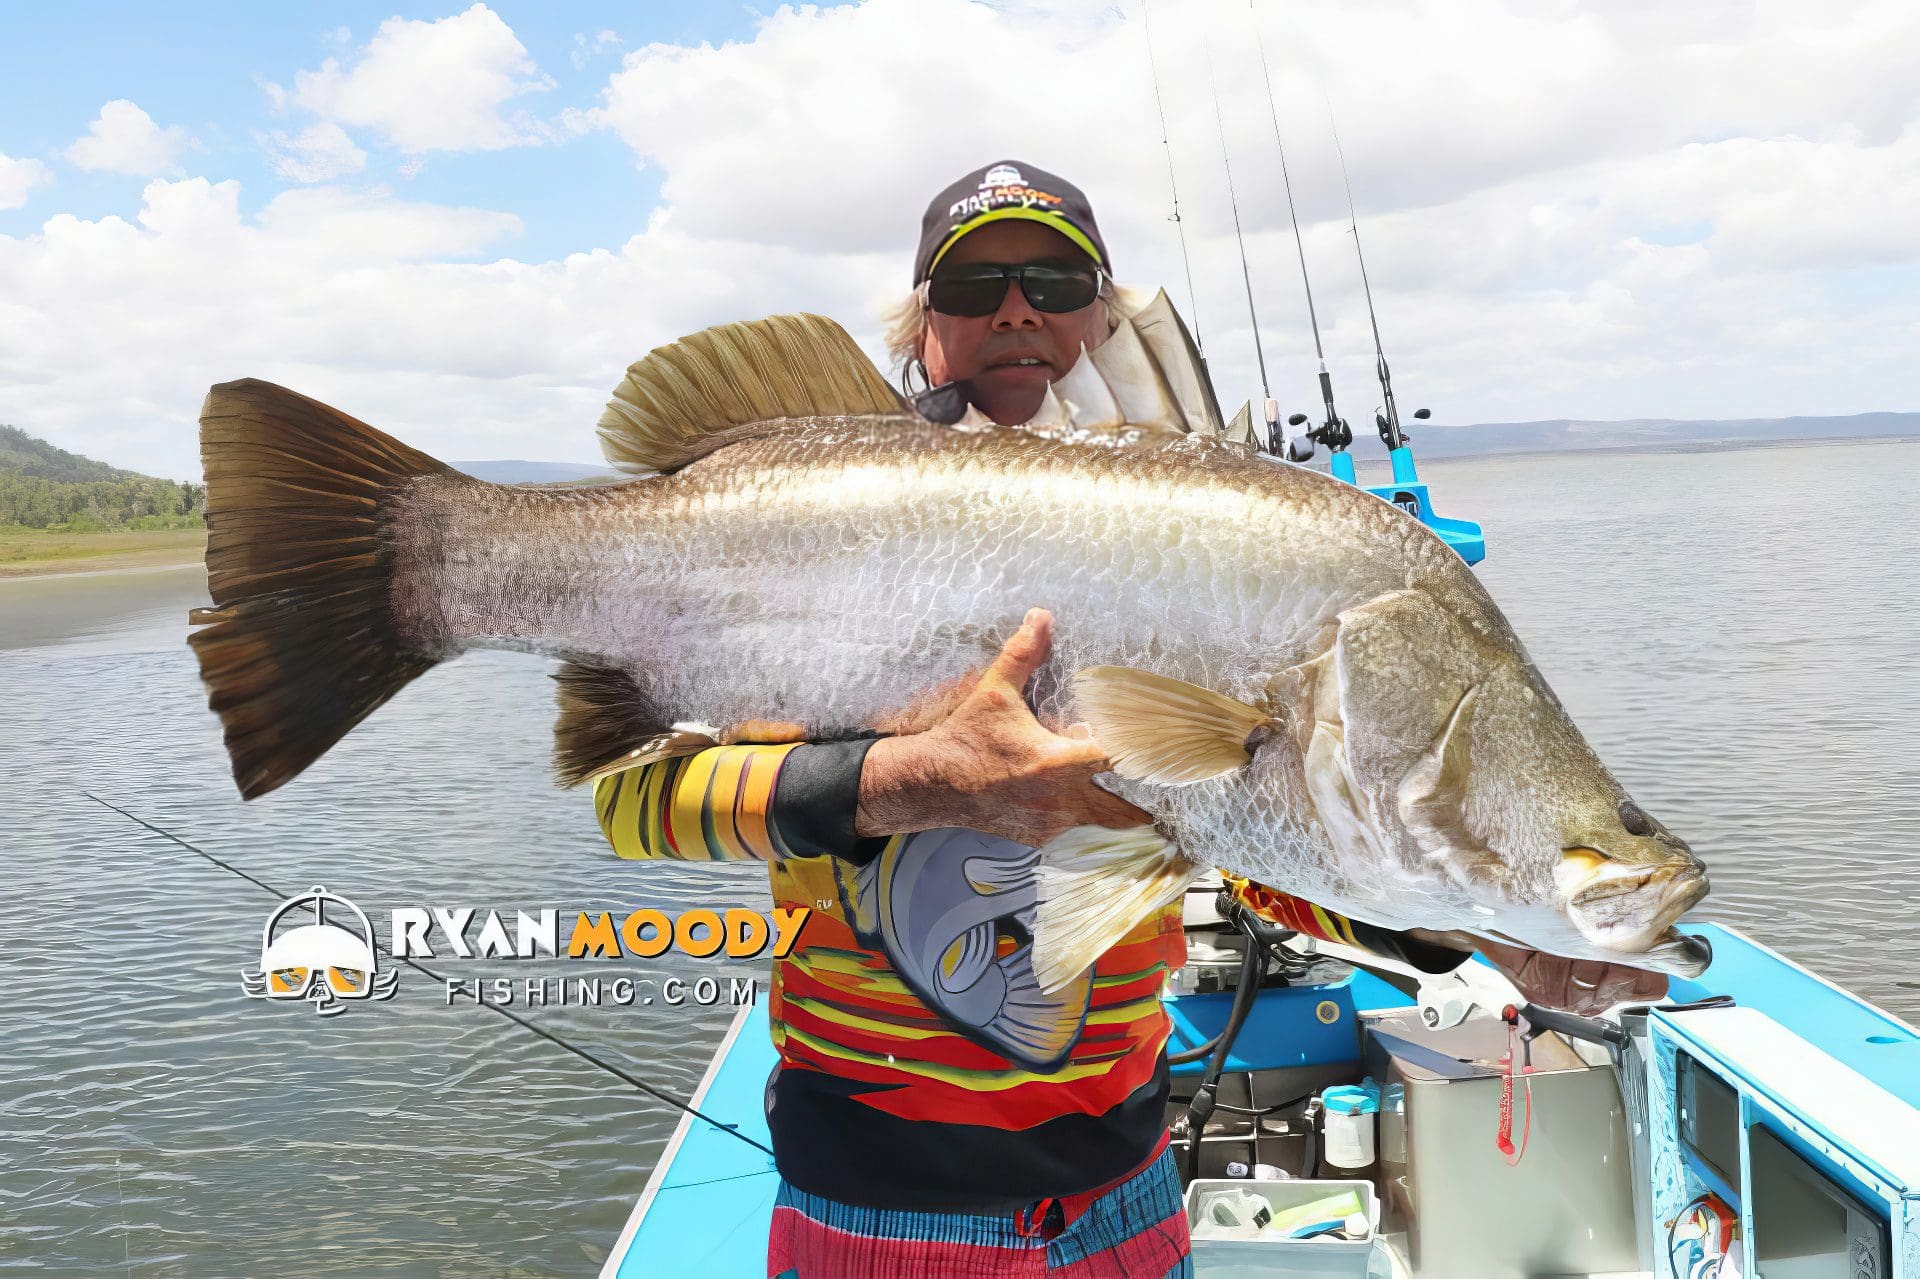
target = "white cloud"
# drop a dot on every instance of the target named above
(1620, 210)
(429, 86)
(18, 178)
(124, 139)
(318, 153)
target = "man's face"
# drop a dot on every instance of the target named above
(987, 349)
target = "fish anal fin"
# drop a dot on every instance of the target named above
(1095, 886)
(668, 745)
(606, 726)
(673, 404)
(1159, 729)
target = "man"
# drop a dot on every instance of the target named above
(911, 1139)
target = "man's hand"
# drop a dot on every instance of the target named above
(990, 765)
(1585, 986)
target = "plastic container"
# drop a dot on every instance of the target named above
(1271, 1254)
(1347, 1124)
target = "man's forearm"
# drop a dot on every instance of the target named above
(901, 790)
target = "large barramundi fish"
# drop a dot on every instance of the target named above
(1299, 681)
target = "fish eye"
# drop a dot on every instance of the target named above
(1635, 819)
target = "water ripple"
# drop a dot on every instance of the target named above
(1749, 679)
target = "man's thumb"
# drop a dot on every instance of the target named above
(1025, 651)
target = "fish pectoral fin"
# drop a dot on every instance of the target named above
(1095, 886)
(605, 726)
(1432, 797)
(690, 396)
(1157, 729)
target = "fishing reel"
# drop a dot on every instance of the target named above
(1391, 433)
(1334, 433)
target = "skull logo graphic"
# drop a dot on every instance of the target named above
(323, 961)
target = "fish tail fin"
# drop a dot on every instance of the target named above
(1095, 886)
(300, 645)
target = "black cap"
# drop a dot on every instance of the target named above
(1007, 189)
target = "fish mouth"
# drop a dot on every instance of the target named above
(1633, 908)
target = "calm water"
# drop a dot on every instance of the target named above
(1735, 632)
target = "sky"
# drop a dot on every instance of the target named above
(461, 223)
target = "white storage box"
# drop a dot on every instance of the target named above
(1268, 1258)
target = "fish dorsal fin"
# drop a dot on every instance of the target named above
(1089, 400)
(734, 375)
(1240, 430)
(1051, 413)
(1158, 729)
(1172, 347)
(1137, 383)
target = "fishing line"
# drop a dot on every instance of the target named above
(1193, 298)
(1392, 413)
(1273, 110)
(1331, 430)
(640, 1084)
(1234, 202)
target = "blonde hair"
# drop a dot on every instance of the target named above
(903, 324)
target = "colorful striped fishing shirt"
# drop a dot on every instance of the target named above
(878, 1099)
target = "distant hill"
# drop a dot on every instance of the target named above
(1570, 434)
(22, 454)
(514, 471)
(46, 487)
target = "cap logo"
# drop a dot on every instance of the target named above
(1002, 175)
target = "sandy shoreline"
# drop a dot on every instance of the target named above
(73, 554)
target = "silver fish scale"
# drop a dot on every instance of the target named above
(832, 574)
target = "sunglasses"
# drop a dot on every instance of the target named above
(977, 288)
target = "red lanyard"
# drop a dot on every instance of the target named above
(1520, 1056)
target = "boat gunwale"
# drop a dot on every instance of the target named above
(656, 1180)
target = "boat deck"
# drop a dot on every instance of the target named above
(707, 1207)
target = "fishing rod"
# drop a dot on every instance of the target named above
(1233, 201)
(1334, 432)
(1193, 297)
(640, 1084)
(1388, 420)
